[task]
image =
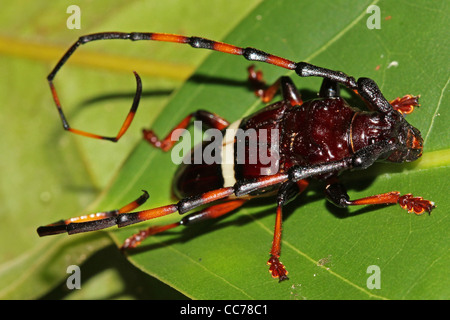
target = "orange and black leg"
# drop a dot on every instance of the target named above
(266, 93)
(287, 192)
(336, 194)
(209, 119)
(212, 212)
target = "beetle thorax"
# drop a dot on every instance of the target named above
(368, 128)
(317, 132)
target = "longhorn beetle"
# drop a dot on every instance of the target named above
(318, 139)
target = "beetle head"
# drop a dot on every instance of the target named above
(409, 144)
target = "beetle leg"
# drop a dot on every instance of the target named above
(210, 119)
(287, 192)
(418, 205)
(255, 78)
(329, 89)
(211, 212)
(405, 104)
(336, 194)
(288, 89)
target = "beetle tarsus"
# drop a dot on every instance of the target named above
(418, 205)
(405, 104)
(277, 269)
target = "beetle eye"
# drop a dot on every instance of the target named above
(414, 143)
(414, 140)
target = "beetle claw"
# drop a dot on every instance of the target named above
(277, 269)
(418, 205)
(405, 104)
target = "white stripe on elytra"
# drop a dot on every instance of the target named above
(227, 155)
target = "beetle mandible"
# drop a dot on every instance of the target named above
(319, 139)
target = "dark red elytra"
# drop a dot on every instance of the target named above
(316, 139)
